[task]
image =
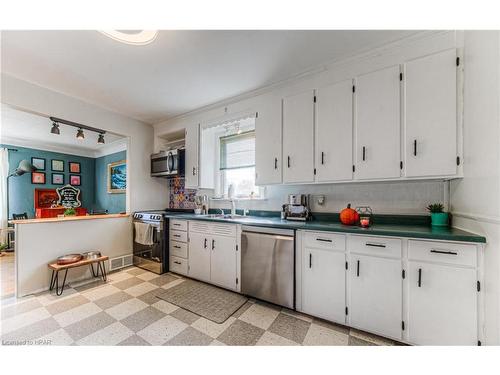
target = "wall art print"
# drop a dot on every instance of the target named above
(180, 197)
(117, 177)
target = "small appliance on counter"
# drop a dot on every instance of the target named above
(297, 208)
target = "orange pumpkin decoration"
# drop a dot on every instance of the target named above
(348, 216)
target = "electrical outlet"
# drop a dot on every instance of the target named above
(320, 200)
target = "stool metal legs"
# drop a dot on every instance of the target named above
(54, 281)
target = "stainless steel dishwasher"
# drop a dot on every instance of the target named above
(268, 264)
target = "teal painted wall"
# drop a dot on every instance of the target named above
(21, 190)
(114, 203)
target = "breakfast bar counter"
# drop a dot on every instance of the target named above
(41, 241)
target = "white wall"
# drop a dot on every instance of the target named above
(475, 199)
(144, 192)
(37, 244)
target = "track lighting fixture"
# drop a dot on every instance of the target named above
(55, 128)
(80, 135)
(101, 139)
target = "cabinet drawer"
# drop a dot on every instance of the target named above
(178, 224)
(381, 246)
(324, 240)
(179, 236)
(178, 265)
(443, 252)
(178, 249)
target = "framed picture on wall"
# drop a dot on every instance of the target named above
(117, 177)
(74, 167)
(57, 165)
(57, 179)
(38, 178)
(75, 180)
(38, 163)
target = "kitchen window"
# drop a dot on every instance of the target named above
(237, 164)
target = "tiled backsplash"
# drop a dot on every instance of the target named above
(179, 196)
(408, 197)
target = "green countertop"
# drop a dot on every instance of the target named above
(394, 230)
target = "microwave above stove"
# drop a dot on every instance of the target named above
(168, 163)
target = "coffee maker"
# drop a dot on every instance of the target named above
(297, 208)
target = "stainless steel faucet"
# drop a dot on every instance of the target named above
(233, 207)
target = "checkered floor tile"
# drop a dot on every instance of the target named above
(126, 311)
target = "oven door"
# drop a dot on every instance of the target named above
(151, 257)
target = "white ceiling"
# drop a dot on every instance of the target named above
(25, 129)
(180, 71)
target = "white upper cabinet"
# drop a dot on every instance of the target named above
(377, 124)
(431, 115)
(298, 138)
(192, 152)
(268, 139)
(334, 132)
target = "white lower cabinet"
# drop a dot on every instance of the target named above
(375, 299)
(323, 283)
(223, 261)
(417, 291)
(213, 258)
(442, 304)
(199, 256)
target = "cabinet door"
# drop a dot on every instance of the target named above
(268, 143)
(334, 132)
(191, 162)
(377, 125)
(223, 261)
(376, 295)
(298, 136)
(431, 115)
(199, 256)
(442, 305)
(323, 284)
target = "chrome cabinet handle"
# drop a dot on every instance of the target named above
(194, 171)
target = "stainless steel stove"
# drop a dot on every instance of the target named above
(152, 257)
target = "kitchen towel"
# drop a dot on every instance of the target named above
(144, 233)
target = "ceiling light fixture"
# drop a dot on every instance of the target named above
(55, 128)
(101, 139)
(80, 135)
(134, 37)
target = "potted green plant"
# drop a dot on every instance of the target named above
(439, 218)
(70, 212)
